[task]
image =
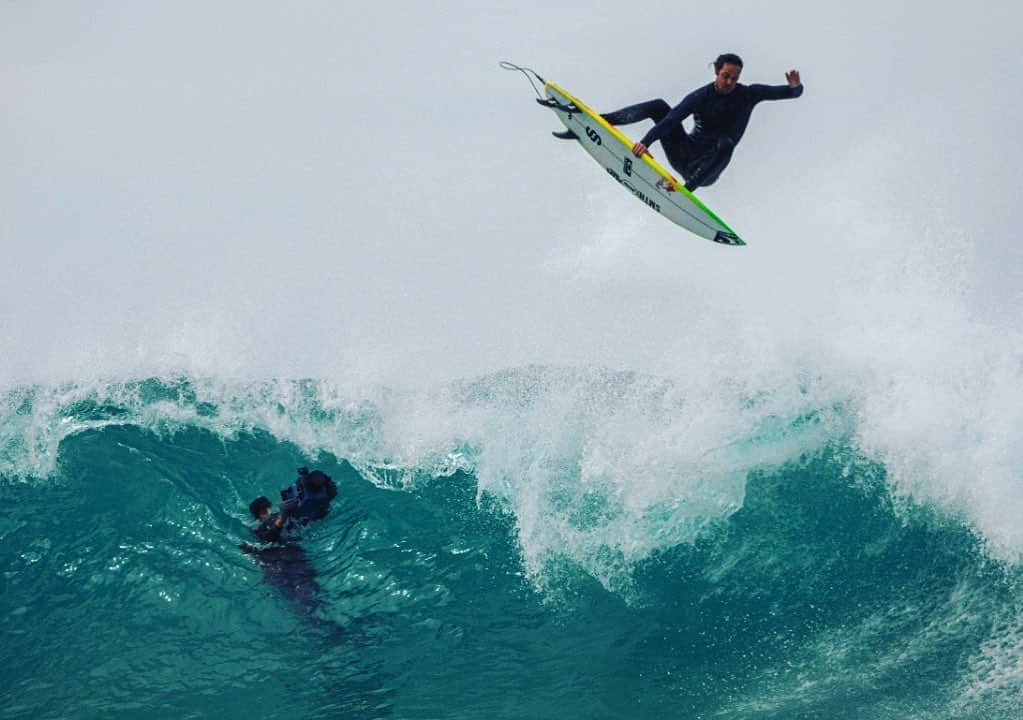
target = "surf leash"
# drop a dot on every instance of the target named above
(547, 102)
(528, 72)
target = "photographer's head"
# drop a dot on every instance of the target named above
(313, 492)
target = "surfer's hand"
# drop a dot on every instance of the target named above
(793, 77)
(639, 149)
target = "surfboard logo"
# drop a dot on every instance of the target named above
(648, 201)
(627, 167)
(593, 135)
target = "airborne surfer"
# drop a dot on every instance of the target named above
(720, 110)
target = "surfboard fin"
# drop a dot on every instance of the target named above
(552, 103)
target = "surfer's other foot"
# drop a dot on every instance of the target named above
(565, 135)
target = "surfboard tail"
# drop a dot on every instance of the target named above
(728, 238)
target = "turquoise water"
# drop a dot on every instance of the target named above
(790, 581)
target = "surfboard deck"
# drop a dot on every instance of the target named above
(647, 180)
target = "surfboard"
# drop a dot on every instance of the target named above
(643, 177)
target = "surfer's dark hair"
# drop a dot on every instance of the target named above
(727, 59)
(257, 506)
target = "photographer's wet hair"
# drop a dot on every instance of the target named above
(316, 481)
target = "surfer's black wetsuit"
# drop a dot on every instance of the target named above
(719, 123)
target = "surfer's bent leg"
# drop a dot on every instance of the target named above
(678, 149)
(650, 110)
(709, 167)
(677, 145)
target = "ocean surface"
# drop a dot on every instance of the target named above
(542, 542)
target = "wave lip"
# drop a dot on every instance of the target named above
(602, 467)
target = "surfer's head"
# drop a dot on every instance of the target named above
(727, 69)
(260, 507)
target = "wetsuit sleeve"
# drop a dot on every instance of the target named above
(268, 530)
(774, 92)
(672, 120)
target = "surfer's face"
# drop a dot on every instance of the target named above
(727, 78)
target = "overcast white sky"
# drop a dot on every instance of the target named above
(327, 188)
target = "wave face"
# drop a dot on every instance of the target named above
(538, 542)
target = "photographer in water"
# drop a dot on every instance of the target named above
(307, 499)
(313, 491)
(284, 564)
